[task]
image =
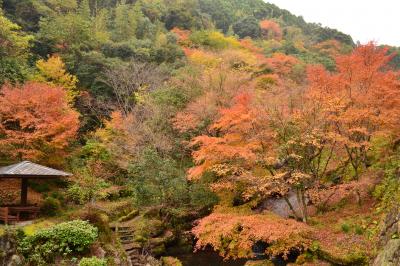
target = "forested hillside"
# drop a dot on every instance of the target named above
(228, 126)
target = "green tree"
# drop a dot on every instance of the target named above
(247, 27)
(14, 50)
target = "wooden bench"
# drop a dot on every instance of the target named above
(6, 217)
(31, 211)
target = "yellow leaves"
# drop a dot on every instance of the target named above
(268, 81)
(228, 41)
(53, 72)
(12, 41)
(203, 58)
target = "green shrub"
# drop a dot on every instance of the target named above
(345, 227)
(65, 239)
(170, 261)
(93, 261)
(40, 187)
(77, 194)
(50, 206)
(358, 230)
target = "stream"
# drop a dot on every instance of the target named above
(210, 258)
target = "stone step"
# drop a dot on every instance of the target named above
(124, 228)
(132, 246)
(133, 252)
(124, 242)
(125, 233)
(124, 237)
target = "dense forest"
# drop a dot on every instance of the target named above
(197, 132)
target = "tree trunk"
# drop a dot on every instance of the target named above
(291, 208)
(304, 205)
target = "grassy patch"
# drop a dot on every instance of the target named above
(33, 228)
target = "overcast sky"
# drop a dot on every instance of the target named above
(364, 20)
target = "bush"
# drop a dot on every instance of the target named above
(40, 187)
(214, 39)
(77, 194)
(93, 261)
(50, 206)
(170, 261)
(70, 238)
(346, 227)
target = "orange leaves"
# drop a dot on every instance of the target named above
(234, 234)
(282, 64)
(271, 30)
(330, 47)
(35, 121)
(183, 36)
(360, 101)
(238, 137)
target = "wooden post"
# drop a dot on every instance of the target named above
(6, 213)
(24, 191)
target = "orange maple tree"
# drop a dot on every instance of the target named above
(239, 134)
(360, 100)
(36, 121)
(270, 29)
(234, 234)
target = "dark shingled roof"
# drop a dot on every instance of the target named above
(28, 169)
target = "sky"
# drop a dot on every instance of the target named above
(364, 20)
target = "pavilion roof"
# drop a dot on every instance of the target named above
(28, 169)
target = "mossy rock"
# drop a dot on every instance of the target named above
(153, 212)
(170, 261)
(129, 216)
(151, 228)
(355, 258)
(259, 263)
(159, 250)
(182, 246)
(389, 255)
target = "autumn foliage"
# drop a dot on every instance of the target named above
(360, 100)
(270, 29)
(234, 234)
(36, 121)
(283, 140)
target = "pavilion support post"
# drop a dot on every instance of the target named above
(24, 191)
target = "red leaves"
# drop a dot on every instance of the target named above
(35, 120)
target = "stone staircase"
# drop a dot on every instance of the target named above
(132, 249)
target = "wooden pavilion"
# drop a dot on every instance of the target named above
(25, 171)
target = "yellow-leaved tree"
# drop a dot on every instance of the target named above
(53, 72)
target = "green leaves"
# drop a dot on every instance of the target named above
(60, 240)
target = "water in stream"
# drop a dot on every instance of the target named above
(210, 258)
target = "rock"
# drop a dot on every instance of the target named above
(129, 216)
(391, 226)
(15, 261)
(259, 263)
(100, 253)
(389, 255)
(166, 238)
(158, 250)
(170, 261)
